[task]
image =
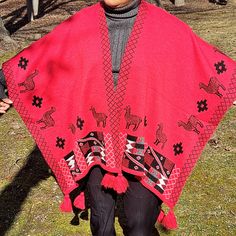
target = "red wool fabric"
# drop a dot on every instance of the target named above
(173, 90)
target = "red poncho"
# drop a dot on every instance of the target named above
(173, 90)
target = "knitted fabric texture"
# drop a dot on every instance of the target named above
(154, 125)
(120, 22)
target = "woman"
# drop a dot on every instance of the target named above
(143, 94)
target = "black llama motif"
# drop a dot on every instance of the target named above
(47, 119)
(28, 84)
(132, 119)
(192, 124)
(99, 117)
(160, 136)
(213, 86)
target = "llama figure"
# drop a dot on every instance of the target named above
(132, 119)
(99, 117)
(191, 125)
(47, 119)
(160, 136)
(29, 82)
(213, 86)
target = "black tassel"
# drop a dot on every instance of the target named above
(84, 215)
(75, 220)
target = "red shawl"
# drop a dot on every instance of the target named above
(173, 90)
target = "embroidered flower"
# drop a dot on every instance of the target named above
(37, 101)
(220, 67)
(80, 123)
(202, 105)
(178, 148)
(23, 62)
(60, 143)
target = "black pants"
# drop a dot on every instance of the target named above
(141, 207)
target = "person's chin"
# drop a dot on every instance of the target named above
(116, 3)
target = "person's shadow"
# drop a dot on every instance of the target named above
(14, 194)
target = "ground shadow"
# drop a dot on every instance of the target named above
(16, 20)
(18, 17)
(48, 6)
(15, 194)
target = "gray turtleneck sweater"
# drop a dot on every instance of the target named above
(120, 22)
